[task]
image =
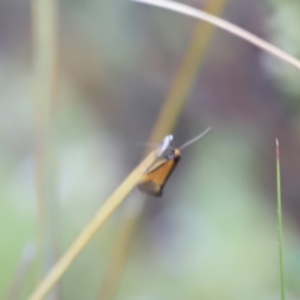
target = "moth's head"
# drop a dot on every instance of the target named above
(172, 153)
(165, 144)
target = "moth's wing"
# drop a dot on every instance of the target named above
(154, 180)
(157, 164)
(147, 183)
(150, 187)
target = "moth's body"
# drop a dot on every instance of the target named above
(155, 178)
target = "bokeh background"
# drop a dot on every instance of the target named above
(213, 234)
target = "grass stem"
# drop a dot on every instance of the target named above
(90, 230)
(169, 113)
(279, 215)
(225, 25)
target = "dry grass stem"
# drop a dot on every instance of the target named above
(165, 123)
(45, 88)
(227, 26)
(90, 230)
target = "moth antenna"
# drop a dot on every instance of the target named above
(195, 139)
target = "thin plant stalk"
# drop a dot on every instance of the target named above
(165, 123)
(105, 211)
(39, 127)
(225, 25)
(279, 216)
(44, 15)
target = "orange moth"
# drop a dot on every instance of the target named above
(156, 176)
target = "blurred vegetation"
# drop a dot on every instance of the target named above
(213, 234)
(283, 26)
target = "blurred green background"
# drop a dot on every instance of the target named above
(213, 234)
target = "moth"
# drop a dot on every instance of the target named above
(156, 176)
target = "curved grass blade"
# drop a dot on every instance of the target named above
(225, 25)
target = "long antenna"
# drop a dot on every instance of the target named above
(195, 139)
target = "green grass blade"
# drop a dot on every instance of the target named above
(279, 215)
